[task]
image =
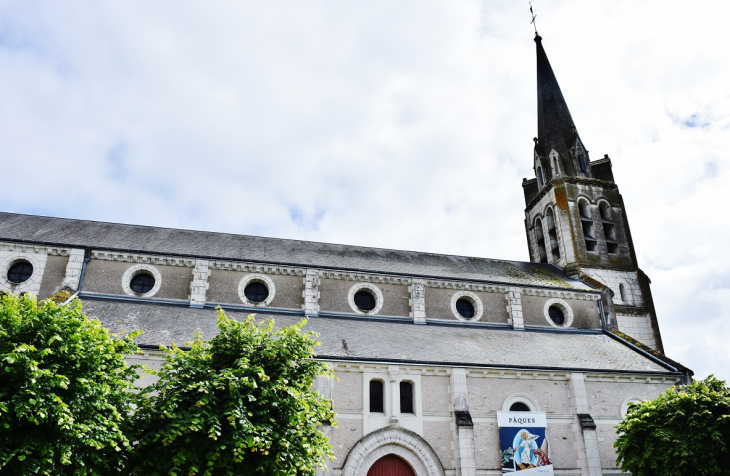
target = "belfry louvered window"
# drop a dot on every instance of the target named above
(552, 235)
(540, 238)
(609, 230)
(587, 225)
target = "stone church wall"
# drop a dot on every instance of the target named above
(607, 398)
(53, 275)
(105, 277)
(438, 305)
(585, 313)
(488, 391)
(334, 297)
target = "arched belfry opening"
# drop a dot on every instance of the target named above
(391, 465)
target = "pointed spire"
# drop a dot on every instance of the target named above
(555, 127)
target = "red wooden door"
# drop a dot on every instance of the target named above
(390, 465)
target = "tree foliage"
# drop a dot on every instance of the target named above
(685, 431)
(241, 404)
(63, 390)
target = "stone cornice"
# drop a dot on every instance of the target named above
(143, 258)
(623, 310)
(466, 286)
(551, 293)
(257, 268)
(34, 248)
(366, 277)
(589, 181)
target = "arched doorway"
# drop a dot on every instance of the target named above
(391, 465)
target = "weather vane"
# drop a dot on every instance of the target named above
(533, 18)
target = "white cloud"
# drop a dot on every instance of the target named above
(394, 124)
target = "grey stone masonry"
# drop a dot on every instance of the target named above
(418, 300)
(586, 441)
(199, 285)
(324, 386)
(464, 451)
(311, 293)
(514, 307)
(73, 269)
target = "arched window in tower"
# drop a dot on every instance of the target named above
(540, 179)
(582, 163)
(540, 237)
(556, 172)
(552, 234)
(609, 230)
(622, 292)
(587, 224)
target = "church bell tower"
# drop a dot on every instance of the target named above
(575, 216)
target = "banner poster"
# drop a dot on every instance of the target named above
(522, 443)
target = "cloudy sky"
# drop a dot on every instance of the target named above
(398, 124)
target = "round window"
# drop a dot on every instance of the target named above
(556, 314)
(465, 308)
(519, 407)
(20, 272)
(256, 292)
(142, 283)
(364, 300)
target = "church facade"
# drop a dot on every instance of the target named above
(440, 359)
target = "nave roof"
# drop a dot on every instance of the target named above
(225, 246)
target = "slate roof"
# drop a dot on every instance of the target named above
(373, 340)
(147, 239)
(555, 127)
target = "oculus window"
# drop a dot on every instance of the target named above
(20, 272)
(556, 315)
(142, 283)
(364, 300)
(465, 308)
(376, 396)
(256, 292)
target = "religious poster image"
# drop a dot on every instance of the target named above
(523, 445)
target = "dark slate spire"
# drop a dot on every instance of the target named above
(555, 127)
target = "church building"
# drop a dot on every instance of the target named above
(447, 365)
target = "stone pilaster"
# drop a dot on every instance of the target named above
(393, 371)
(199, 285)
(324, 387)
(586, 440)
(311, 293)
(514, 307)
(464, 450)
(418, 300)
(73, 269)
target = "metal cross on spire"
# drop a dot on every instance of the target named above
(533, 18)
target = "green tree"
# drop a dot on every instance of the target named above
(685, 431)
(64, 390)
(241, 404)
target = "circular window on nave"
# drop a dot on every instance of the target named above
(364, 300)
(556, 315)
(465, 308)
(256, 292)
(142, 283)
(20, 272)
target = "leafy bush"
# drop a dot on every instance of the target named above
(241, 404)
(64, 390)
(683, 432)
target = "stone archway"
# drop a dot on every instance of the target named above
(392, 441)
